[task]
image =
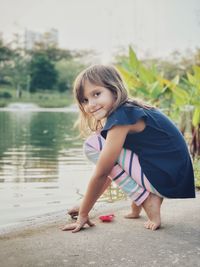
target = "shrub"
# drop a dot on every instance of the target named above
(5, 95)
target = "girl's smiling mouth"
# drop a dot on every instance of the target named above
(93, 112)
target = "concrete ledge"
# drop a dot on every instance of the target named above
(120, 243)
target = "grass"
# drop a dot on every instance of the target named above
(46, 99)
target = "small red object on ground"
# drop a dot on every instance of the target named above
(107, 218)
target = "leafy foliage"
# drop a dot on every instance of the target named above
(67, 71)
(148, 83)
(182, 94)
(42, 72)
(193, 84)
(44, 67)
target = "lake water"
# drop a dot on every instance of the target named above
(42, 166)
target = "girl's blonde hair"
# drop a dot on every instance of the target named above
(101, 75)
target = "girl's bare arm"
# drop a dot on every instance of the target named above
(111, 150)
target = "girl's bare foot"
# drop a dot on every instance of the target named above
(152, 207)
(135, 212)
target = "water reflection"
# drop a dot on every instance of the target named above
(33, 144)
(42, 166)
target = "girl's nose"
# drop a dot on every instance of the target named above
(92, 103)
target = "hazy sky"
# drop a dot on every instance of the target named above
(154, 27)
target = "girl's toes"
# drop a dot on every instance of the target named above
(146, 225)
(151, 225)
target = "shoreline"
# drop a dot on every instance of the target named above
(55, 219)
(47, 220)
(38, 223)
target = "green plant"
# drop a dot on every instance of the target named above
(193, 85)
(67, 71)
(148, 83)
(196, 165)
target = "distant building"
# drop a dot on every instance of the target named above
(48, 38)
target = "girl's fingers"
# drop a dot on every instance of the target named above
(78, 228)
(68, 227)
(81, 225)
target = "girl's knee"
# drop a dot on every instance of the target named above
(92, 147)
(95, 141)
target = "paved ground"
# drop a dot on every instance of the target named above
(120, 243)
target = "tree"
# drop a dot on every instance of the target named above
(6, 54)
(18, 71)
(43, 74)
(13, 65)
(53, 53)
(67, 71)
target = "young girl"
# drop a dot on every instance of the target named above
(133, 144)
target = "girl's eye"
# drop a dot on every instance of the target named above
(85, 101)
(97, 94)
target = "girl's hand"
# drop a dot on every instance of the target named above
(73, 212)
(78, 225)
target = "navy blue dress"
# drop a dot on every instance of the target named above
(161, 149)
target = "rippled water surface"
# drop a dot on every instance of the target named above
(42, 167)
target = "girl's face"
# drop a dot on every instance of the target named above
(97, 100)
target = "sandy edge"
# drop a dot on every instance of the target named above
(56, 219)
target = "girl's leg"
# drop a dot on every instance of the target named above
(128, 175)
(130, 163)
(152, 207)
(135, 211)
(136, 192)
